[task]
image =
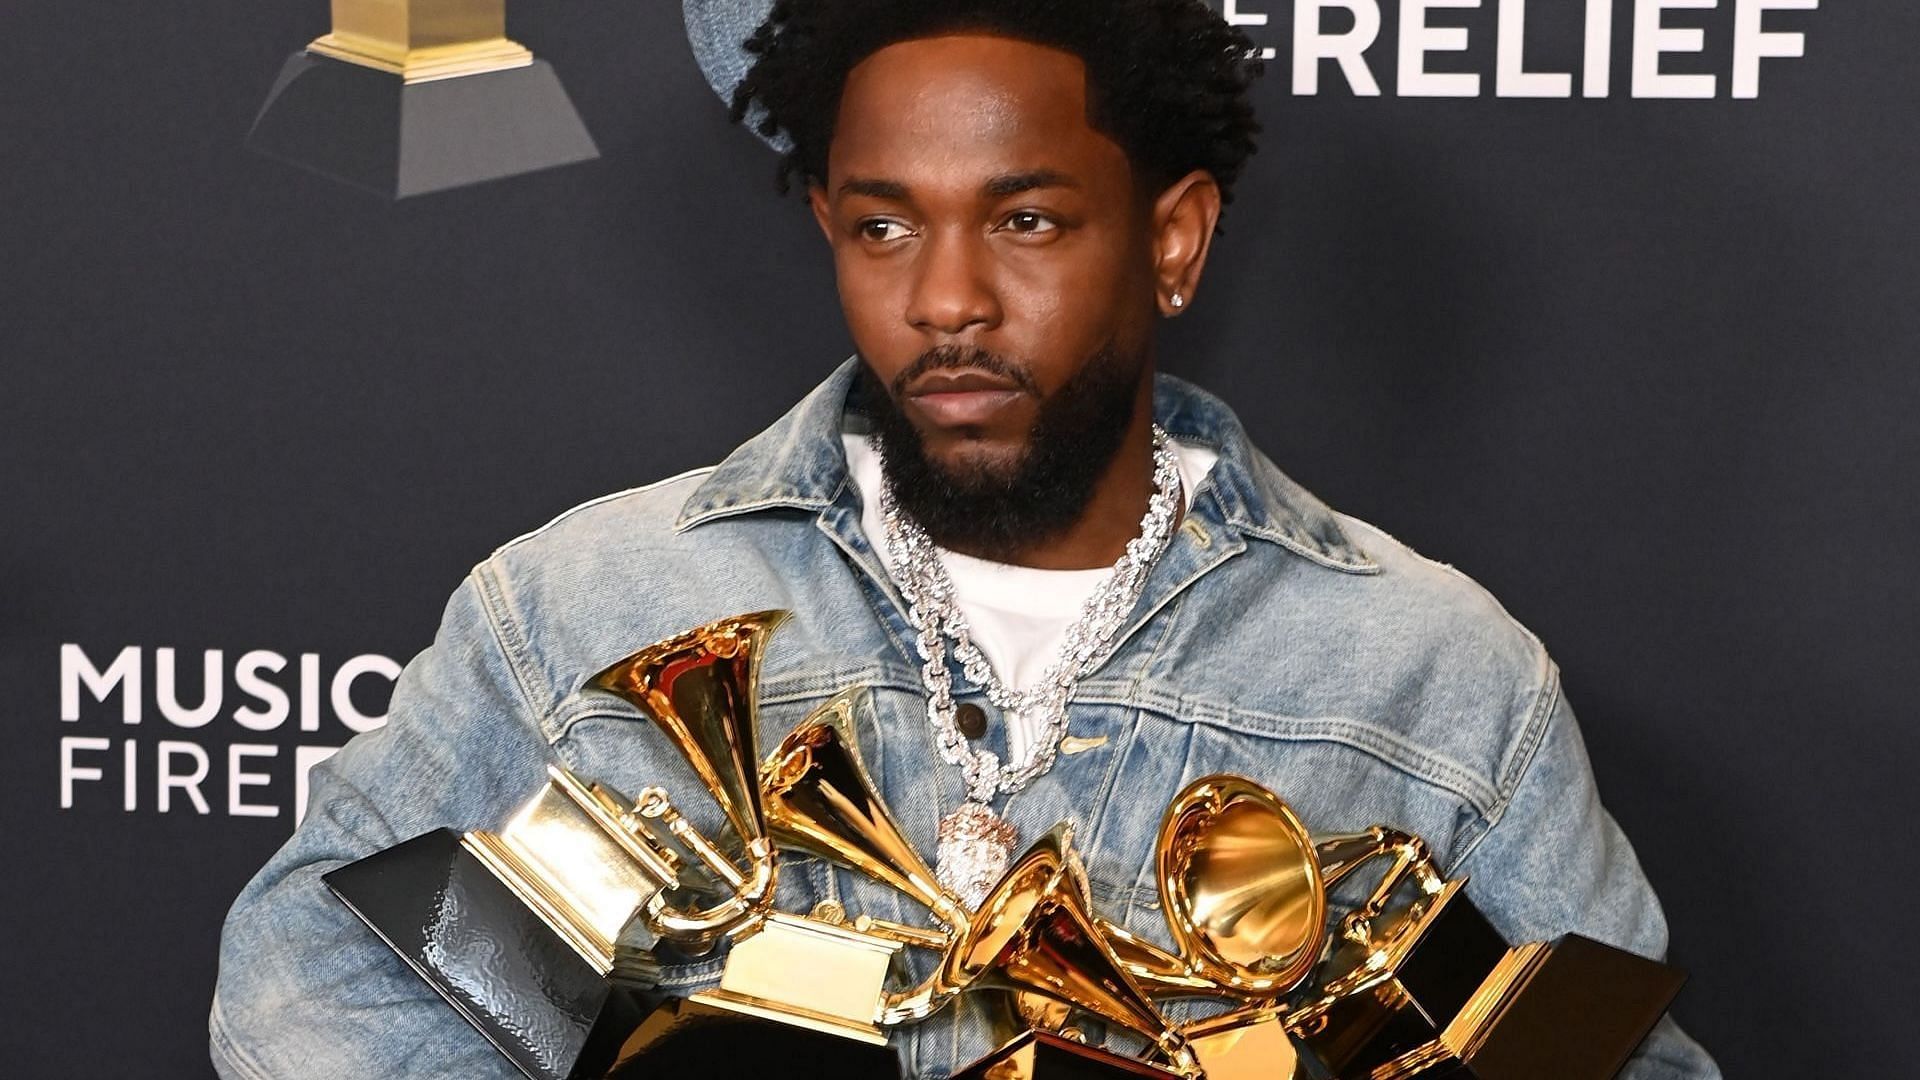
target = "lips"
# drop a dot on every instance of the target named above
(962, 398)
(972, 380)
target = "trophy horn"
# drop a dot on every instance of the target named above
(820, 798)
(1245, 900)
(1242, 886)
(1244, 889)
(701, 688)
(1035, 934)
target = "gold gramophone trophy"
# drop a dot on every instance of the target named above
(1244, 891)
(542, 934)
(1418, 984)
(539, 933)
(1035, 934)
(581, 882)
(701, 690)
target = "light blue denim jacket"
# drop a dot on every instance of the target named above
(1276, 639)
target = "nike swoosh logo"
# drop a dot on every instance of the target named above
(1075, 745)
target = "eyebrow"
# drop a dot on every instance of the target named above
(1015, 183)
(999, 187)
(878, 189)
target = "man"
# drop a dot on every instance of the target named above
(1115, 593)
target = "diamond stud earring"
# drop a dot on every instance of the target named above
(1177, 300)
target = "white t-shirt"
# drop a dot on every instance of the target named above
(1017, 614)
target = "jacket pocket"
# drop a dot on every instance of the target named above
(1332, 782)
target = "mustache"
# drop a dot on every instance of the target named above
(963, 358)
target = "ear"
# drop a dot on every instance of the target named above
(822, 213)
(1183, 219)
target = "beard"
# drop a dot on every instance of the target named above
(997, 510)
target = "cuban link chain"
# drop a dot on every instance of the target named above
(976, 843)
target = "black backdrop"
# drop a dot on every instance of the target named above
(1642, 365)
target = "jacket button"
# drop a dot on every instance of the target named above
(971, 719)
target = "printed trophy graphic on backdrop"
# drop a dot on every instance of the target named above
(544, 935)
(406, 97)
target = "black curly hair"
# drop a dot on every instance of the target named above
(1167, 80)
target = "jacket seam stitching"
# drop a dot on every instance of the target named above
(1527, 746)
(1172, 609)
(871, 596)
(1347, 731)
(716, 513)
(1112, 775)
(1481, 792)
(607, 498)
(510, 641)
(1173, 595)
(230, 1051)
(572, 712)
(1425, 765)
(1526, 750)
(1363, 565)
(872, 592)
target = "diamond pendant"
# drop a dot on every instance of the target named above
(975, 845)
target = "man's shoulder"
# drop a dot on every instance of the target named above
(647, 511)
(1376, 587)
(1451, 669)
(615, 573)
(1363, 640)
(642, 556)
(1437, 604)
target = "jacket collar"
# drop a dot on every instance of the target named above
(798, 463)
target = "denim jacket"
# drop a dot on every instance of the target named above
(1275, 639)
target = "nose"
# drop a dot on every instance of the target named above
(953, 291)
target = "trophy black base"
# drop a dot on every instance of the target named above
(687, 1038)
(470, 937)
(1578, 1016)
(373, 130)
(1038, 1055)
(1574, 1010)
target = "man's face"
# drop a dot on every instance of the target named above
(990, 245)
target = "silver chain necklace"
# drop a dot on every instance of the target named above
(976, 843)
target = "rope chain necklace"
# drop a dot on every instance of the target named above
(976, 844)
